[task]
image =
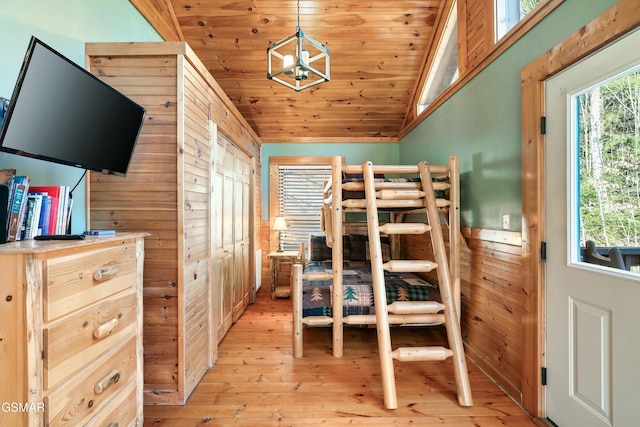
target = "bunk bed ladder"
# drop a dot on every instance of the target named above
(449, 316)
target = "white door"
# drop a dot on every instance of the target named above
(592, 312)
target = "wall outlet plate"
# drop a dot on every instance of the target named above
(506, 221)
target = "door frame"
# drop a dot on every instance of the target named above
(613, 24)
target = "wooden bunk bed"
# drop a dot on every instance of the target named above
(384, 195)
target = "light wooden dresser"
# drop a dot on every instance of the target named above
(71, 332)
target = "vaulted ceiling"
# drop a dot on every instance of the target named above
(378, 53)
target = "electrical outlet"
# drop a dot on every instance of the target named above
(506, 221)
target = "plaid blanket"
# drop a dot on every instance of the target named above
(358, 290)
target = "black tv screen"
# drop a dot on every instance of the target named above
(61, 113)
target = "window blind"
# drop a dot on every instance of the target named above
(300, 200)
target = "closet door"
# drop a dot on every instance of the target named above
(226, 255)
(241, 232)
(231, 211)
(219, 257)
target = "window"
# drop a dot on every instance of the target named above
(299, 201)
(608, 131)
(510, 12)
(444, 68)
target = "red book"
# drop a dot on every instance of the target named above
(54, 191)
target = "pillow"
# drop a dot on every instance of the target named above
(360, 248)
(319, 251)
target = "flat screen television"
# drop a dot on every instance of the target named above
(61, 113)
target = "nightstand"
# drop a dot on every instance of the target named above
(290, 257)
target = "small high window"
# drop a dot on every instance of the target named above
(510, 12)
(444, 68)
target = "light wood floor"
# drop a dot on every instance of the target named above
(257, 382)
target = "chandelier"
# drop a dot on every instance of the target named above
(295, 55)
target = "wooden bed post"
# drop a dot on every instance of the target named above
(296, 299)
(337, 255)
(454, 229)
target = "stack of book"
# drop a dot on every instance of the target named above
(36, 210)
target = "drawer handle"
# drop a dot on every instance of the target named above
(105, 329)
(105, 273)
(113, 424)
(106, 382)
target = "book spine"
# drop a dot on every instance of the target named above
(44, 214)
(27, 221)
(34, 223)
(17, 205)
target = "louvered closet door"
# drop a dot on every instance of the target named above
(231, 211)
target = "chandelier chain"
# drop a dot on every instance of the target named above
(298, 13)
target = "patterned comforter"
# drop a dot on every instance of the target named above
(358, 291)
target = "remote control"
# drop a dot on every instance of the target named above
(59, 237)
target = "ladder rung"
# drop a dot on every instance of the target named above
(441, 186)
(389, 194)
(417, 354)
(317, 275)
(386, 204)
(409, 266)
(396, 319)
(353, 186)
(317, 320)
(359, 185)
(415, 307)
(443, 203)
(405, 228)
(397, 169)
(391, 169)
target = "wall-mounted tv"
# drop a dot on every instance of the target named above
(61, 113)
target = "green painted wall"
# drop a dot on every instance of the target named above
(65, 26)
(354, 153)
(481, 123)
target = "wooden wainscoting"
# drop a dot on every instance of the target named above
(492, 301)
(265, 244)
(492, 305)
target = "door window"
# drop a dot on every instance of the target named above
(607, 132)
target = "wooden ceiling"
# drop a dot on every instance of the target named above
(378, 52)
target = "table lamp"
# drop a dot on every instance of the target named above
(279, 225)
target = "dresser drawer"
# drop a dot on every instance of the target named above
(75, 281)
(121, 411)
(76, 341)
(84, 395)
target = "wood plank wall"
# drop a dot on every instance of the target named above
(478, 19)
(196, 164)
(492, 301)
(147, 198)
(265, 244)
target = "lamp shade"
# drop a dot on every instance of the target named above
(279, 224)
